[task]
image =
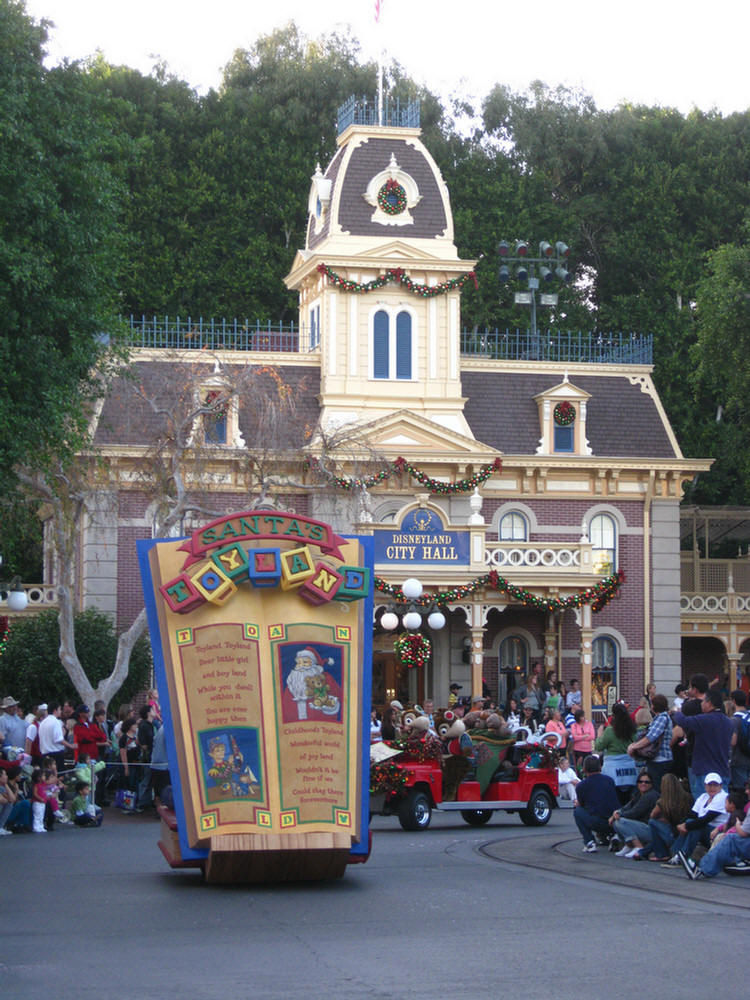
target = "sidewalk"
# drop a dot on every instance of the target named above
(564, 856)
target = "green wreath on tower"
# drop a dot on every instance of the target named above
(564, 414)
(392, 198)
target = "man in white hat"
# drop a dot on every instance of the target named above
(32, 735)
(12, 727)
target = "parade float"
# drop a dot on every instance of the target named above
(261, 626)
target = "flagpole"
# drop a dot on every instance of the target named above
(378, 4)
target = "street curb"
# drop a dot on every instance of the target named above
(550, 853)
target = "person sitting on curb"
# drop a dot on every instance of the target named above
(732, 854)
(596, 800)
(630, 823)
(708, 811)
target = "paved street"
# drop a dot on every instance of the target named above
(453, 911)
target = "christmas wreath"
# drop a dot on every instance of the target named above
(413, 649)
(392, 198)
(564, 414)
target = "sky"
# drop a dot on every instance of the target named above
(672, 53)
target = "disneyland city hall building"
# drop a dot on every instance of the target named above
(534, 489)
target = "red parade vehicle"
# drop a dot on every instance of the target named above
(513, 776)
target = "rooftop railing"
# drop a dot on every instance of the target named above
(187, 333)
(361, 111)
(184, 334)
(559, 345)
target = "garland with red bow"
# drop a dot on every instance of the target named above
(398, 275)
(400, 466)
(597, 596)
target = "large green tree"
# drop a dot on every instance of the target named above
(57, 241)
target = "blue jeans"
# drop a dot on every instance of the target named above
(739, 776)
(589, 823)
(633, 829)
(662, 837)
(731, 849)
(657, 769)
(686, 843)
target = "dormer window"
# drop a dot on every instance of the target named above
(564, 416)
(320, 198)
(562, 420)
(217, 416)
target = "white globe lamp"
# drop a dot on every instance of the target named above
(436, 620)
(412, 620)
(389, 621)
(17, 600)
(412, 588)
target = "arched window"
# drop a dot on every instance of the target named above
(514, 653)
(403, 345)
(380, 338)
(604, 670)
(603, 538)
(392, 346)
(513, 527)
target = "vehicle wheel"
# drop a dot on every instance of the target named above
(415, 812)
(476, 817)
(539, 809)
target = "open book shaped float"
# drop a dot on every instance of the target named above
(261, 625)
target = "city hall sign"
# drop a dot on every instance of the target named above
(422, 537)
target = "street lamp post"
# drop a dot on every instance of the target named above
(537, 272)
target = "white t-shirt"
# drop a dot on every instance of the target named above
(567, 776)
(702, 806)
(51, 735)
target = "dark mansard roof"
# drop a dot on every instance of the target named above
(351, 175)
(622, 420)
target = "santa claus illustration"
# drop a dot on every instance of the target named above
(310, 688)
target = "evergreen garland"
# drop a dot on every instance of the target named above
(398, 275)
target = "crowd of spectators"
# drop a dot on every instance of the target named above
(61, 763)
(689, 806)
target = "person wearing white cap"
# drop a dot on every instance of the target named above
(12, 726)
(731, 854)
(32, 735)
(708, 811)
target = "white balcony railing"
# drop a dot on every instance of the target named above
(543, 557)
(40, 597)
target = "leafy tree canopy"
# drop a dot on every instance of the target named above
(57, 241)
(30, 663)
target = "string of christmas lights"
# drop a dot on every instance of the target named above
(398, 275)
(4, 632)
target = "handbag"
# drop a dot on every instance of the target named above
(125, 799)
(648, 752)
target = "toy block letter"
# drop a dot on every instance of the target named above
(322, 586)
(296, 567)
(232, 560)
(356, 583)
(264, 567)
(180, 595)
(213, 584)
